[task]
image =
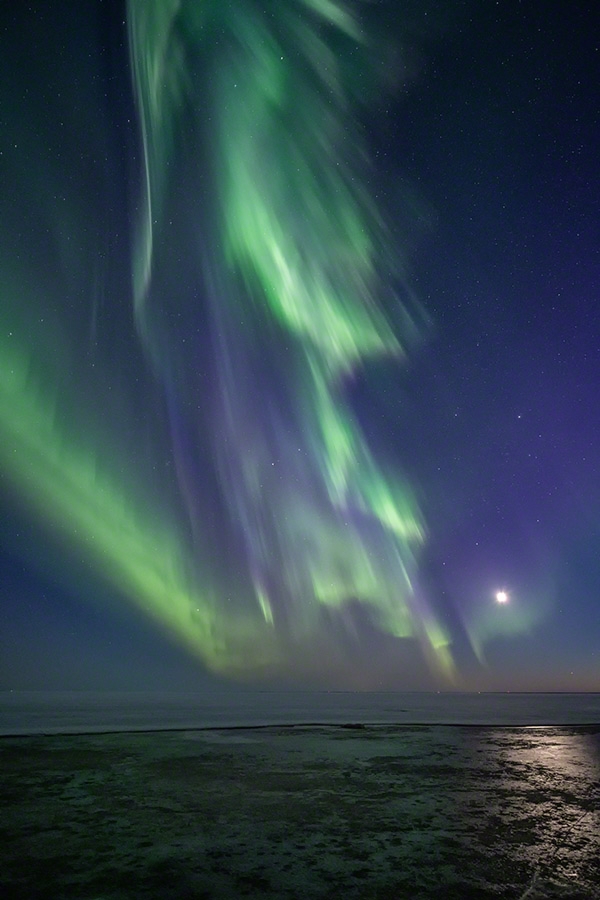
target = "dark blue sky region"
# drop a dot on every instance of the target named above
(481, 129)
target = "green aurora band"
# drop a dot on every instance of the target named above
(293, 273)
(262, 281)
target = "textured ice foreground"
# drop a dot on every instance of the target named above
(324, 812)
(72, 712)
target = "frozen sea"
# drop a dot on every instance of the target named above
(291, 795)
(382, 812)
(23, 713)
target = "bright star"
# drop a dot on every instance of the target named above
(501, 597)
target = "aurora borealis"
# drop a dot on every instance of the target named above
(250, 407)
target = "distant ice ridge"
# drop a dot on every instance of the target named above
(55, 713)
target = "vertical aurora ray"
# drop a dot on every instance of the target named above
(82, 448)
(248, 112)
(207, 466)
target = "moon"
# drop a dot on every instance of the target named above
(501, 597)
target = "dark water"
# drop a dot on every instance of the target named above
(304, 812)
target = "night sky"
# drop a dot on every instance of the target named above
(299, 345)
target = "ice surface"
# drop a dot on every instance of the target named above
(366, 813)
(73, 712)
